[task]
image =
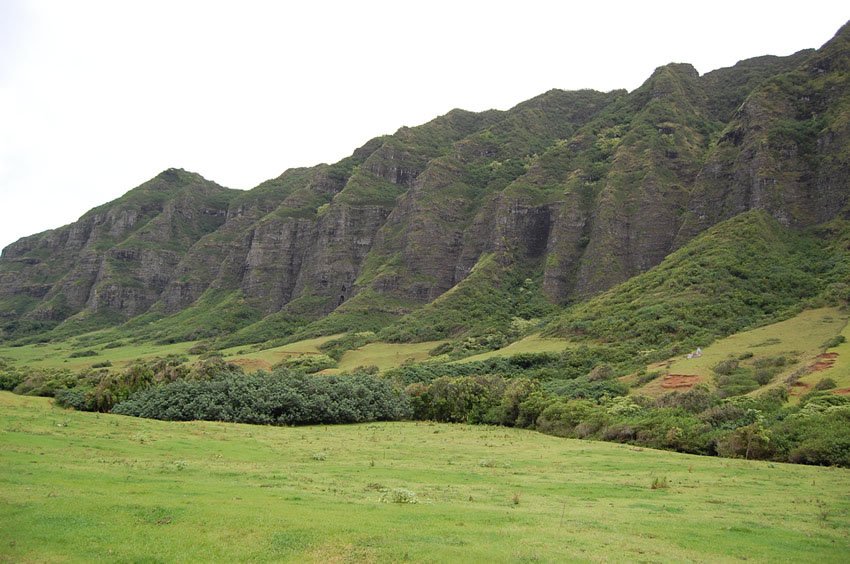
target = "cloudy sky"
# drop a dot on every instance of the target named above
(98, 96)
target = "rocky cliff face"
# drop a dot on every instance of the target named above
(582, 189)
(117, 258)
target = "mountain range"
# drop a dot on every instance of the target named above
(475, 225)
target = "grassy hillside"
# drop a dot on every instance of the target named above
(83, 487)
(740, 274)
(788, 347)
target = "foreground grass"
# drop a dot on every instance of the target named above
(82, 486)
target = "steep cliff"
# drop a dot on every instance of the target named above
(559, 198)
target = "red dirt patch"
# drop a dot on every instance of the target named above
(799, 388)
(823, 362)
(842, 391)
(679, 381)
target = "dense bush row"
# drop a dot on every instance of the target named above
(698, 421)
(100, 389)
(278, 398)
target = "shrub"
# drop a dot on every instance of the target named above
(697, 399)
(750, 441)
(45, 382)
(725, 367)
(824, 384)
(647, 377)
(441, 349)
(659, 483)
(280, 398)
(834, 342)
(10, 378)
(763, 376)
(199, 348)
(399, 495)
(82, 354)
(307, 363)
(468, 399)
(75, 398)
(601, 372)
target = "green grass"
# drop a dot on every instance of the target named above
(385, 355)
(266, 358)
(88, 487)
(530, 344)
(56, 355)
(801, 338)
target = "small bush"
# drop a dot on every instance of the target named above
(647, 377)
(307, 363)
(601, 372)
(659, 483)
(74, 398)
(442, 348)
(104, 364)
(10, 379)
(725, 367)
(199, 348)
(399, 495)
(834, 342)
(825, 384)
(763, 376)
(82, 354)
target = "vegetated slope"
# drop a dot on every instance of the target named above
(114, 261)
(560, 198)
(225, 492)
(739, 274)
(796, 353)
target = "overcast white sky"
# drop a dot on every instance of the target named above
(98, 96)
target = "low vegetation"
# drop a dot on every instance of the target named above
(83, 486)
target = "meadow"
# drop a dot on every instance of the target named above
(80, 486)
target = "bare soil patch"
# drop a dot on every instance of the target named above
(823, 361)
(680, 381)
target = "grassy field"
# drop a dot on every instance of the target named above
(266, 358)
(530, 344)
(800, 338)
(88, 487)
(58, 355)
(384, 355)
